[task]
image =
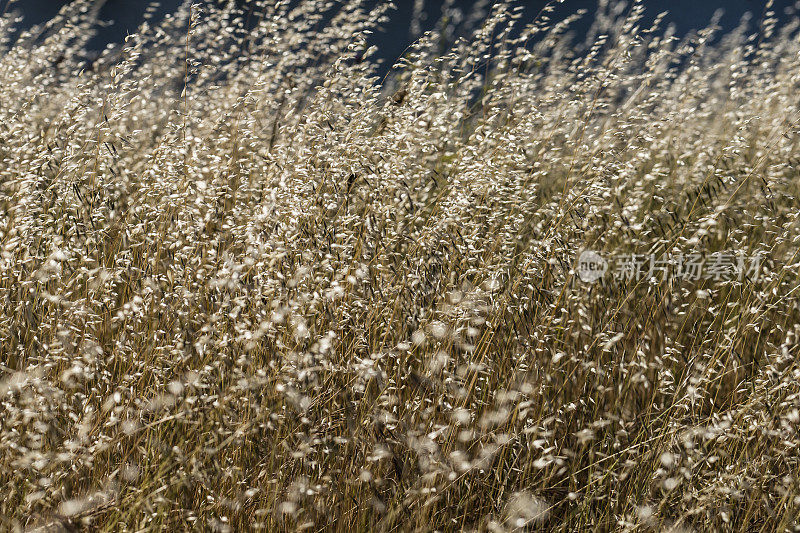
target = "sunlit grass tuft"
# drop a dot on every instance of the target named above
(246, 284)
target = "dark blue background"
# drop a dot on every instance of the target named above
(685, 14)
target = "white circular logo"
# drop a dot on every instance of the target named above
(591, 266)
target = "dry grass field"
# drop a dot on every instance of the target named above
(247, 283)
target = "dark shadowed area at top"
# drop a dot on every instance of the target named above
(125, 15)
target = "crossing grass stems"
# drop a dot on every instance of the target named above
(246, 283)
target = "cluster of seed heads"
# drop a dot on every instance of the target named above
(247, 282)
